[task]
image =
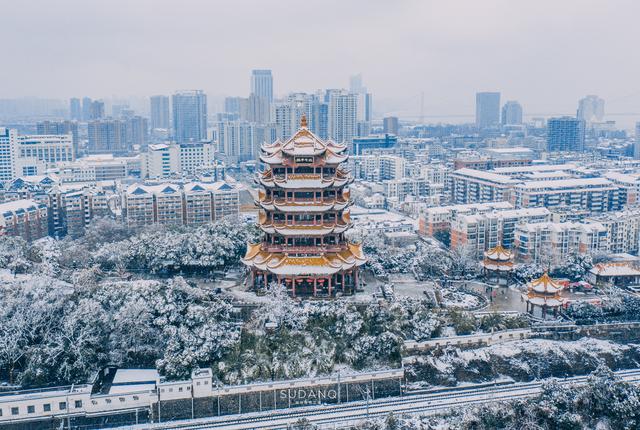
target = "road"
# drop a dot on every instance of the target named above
(423, 403)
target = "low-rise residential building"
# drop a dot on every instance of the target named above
(623, 230)
(194, 203)
(24, 218)
(483, 231)
(377, 167)
(99, 167)
(592, 194)
(478, 186)
(164, 160)
(550, 243)
(438, 219)
(73, 207)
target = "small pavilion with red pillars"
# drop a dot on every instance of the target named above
(497, 265)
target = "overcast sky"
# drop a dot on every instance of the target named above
(544, 53)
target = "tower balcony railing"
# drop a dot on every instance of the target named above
(325, 201)
(310, 249)
(283, 224)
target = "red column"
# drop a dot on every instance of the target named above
(315, 287)
(355, 276)
(293, 286)
(329, 285)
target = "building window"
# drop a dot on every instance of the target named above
(15, 411)
(78, 403)
(31, 409)
(62, 406)
(107, 401)
(46, 407)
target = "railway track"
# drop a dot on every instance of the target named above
(430, 402)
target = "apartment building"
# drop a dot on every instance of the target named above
(478, 186)
(550, 243)
(24, 218)
(592, 194)
(194, 203)
(439, 219)
(483, 231)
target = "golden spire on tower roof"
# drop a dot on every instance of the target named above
(303, 121)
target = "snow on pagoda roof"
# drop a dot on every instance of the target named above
(304, 143)
(544, 285)
(498, 253)
(324, 264)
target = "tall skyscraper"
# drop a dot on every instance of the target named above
(137, 131)
(108, 135)
(355, 84)
(565, 134)
(342, 115)
(8, 148)
(487, 109)
(636, 146)
(365, 105)
(160, 112)
(75, 109)
(390, 125)
(236, 140)
(86, 108)
(97, 110)
(232, 104)
(189, 116)
(262, 84)
(591, 108)
(511, 113)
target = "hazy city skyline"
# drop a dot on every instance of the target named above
(541, 53)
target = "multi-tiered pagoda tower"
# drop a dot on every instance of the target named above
(304, 212)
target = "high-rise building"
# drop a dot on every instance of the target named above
(304, 221)
(390, 125)
(236, 141)
(160, 112)
(487, 109)
(119, 110)
(342, 115)
(108, 135)
(232, 104)
(565, 134)
(75, 109)
(511, 113)
(137, 131)
(257, 109)
(189, 116)
(97, 110)
(86, 108)
(591, 109)
(355, 84)
(60, 128)
(636, 146)
(364, 105)
(262, 84)
(8, 145)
